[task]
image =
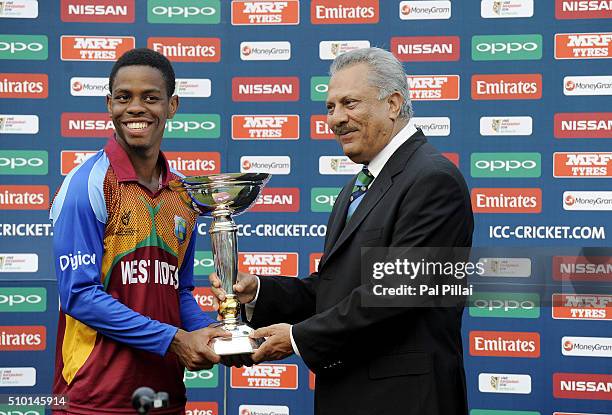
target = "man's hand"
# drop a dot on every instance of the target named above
(245, 288)
(237, 360)
(277, 345)
(193, 350)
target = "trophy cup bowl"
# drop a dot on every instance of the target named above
(221, 196)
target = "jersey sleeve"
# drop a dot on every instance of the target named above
(79, 217)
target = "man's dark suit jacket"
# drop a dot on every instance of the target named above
(379, 361)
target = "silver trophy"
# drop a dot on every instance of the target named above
(221, 196)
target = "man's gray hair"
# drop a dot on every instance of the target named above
(386, 73)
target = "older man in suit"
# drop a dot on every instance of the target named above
(372, 360)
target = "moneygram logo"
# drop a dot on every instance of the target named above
(314, 261)
(23, 299)
(434, 87)
(265, 51)
(18, 124)
(201, 379)
(322, 199)
(331, 49)
(269, 263)
(507, 86)
(344, 11)
(88, 87)
(265, 13)
(13, 162)
(433, 126)
(265, 127)
(319, 130)
(505, 344)
(193, 126)
(504, 305)
(424, 10)
(265, 89)
(318, 88)
(95, 48)
(203, 263)
(86, 124)
(69, 159)
(98, 11)
(583, 125)
(204, 298)
(18, 262)
(24, 85)
(338, 165)
(22, 197)
(426, 48)
(504, 383)
(184, 11)
(593, 200)
(583, 45)
(277, 199)
(586, 346)
(582, 307)
(202, 408)
(582, 268)
(584, 164)
(507, 200)
(265, 164)
(19, 9)
(194, 163)
(504, 165)
(187, 49)
(22, 338)
(506, 47)
(504, 9)
(263, 410)
(583, 9)
(24, 47)
(265, 376)
(193, 88)
(587, 85)
(582, 386)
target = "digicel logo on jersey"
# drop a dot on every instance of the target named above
(14, 338)
(582, 386)
(70, 159)
(505, 343)
(507, 86)
(583, 125)
(319, 130)
(86, 124)
(426, 48)
(187, 49)
(434, 87)
(581, 268)
(265, 127)
(194, 163)
(583, 9)
(202, 408)
(507, 200)
(98, 11)
(265, 376)
(269, 263)
(277, 199)
(344, 11)
(313, 261)
(583, 45)
(205, 298)
(584, 164)
(265, 12)
(24, 85)
(265, 89)
(582, 306)
(95, 48)
(23, 197)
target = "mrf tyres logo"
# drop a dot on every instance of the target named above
(258, 12)
(583, 45)
(265, 127)
(507, 47)
(265, 376)
(582, 306)
(184, 11)
(24, 47)
(95, 48)
(269, 263)
(434, 87)
(504, 165)
(584, 164)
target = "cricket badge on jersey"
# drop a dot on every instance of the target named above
(180, 229)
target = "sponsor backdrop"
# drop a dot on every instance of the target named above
(515, 92)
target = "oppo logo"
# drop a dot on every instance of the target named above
(183, 11)
(505, 165)
(18, 412)
(204, 262)
(506, 305)
(321, 88)
(326, 199)
(16, 162)
(508, 47)
(202, 375)
(13, 47)
(15, 299)
(187, 126)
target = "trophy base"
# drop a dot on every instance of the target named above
(239, 343)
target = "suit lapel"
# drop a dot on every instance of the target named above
(339, 215)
